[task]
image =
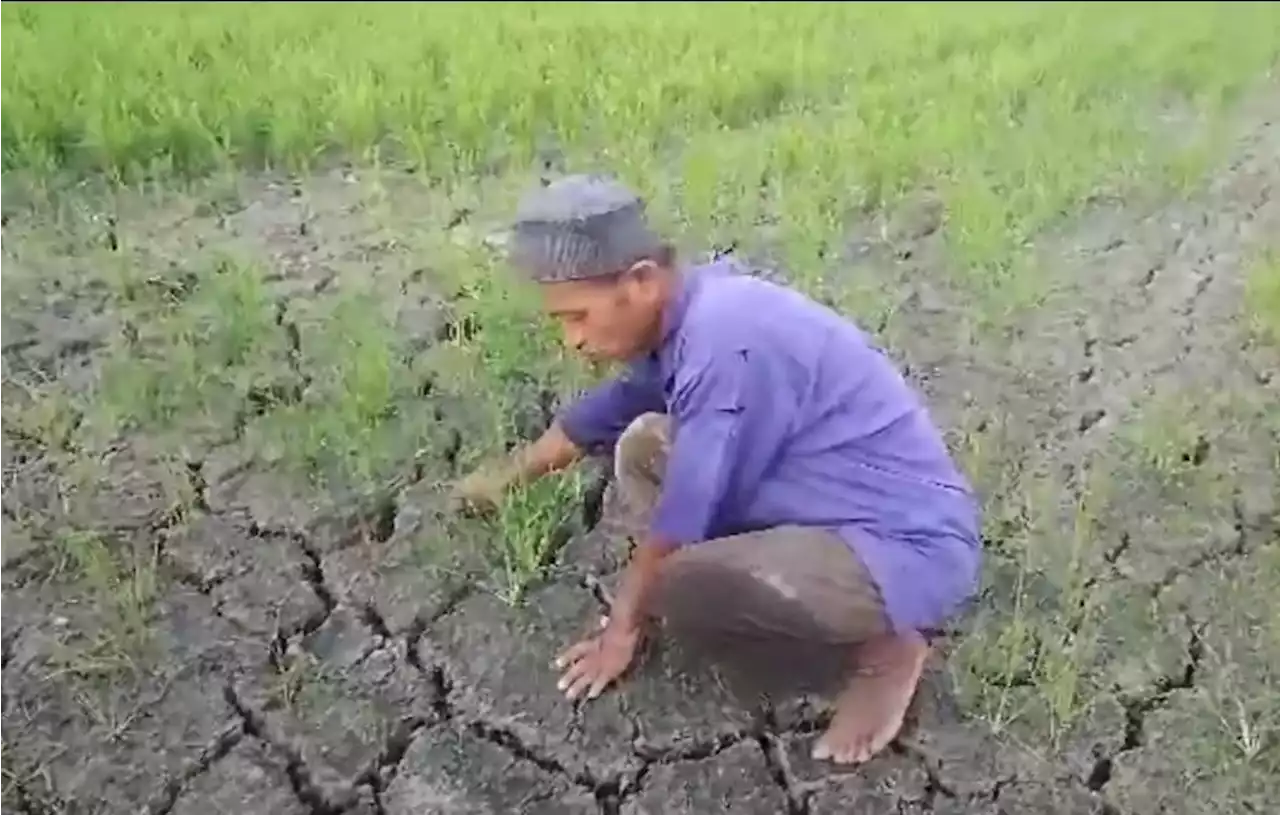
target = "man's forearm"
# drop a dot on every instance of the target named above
(551, 452)
(638, 579)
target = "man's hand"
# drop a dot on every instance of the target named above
(593, 663)
(479, 493)
(596, 661)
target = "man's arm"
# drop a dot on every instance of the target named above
(596, 420)
(590, 425)
(719, 405)
(552, 452)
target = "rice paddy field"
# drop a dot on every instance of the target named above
(256, 319)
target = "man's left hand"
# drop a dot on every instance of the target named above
(593, 663)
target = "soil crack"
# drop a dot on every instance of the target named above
(8, 642)
(693, 751)
(610, 793)
(304, 789)
(198, 483)
(217, 749)
(422, 622)
(312, 573)
(1138, 707)
(508, 740)
(385, 764)
(370, 616)
(1239, 548)
(593, 500)
(771, 749)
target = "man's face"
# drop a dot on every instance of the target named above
(611, 320)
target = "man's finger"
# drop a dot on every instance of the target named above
(601, 682)
(584, 682)
(576, 652)
(575, 672)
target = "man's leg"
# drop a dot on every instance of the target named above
(792, 590)
(640, 459)
(748, 600)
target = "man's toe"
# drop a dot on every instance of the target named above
(863, 753)
(854, 751)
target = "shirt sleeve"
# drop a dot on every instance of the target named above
(722, 406)
(597, 419)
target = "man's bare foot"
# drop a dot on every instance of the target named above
(871, 708)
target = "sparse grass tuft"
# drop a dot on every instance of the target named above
(1262, 296)
(122, 586)
(343, 417)
(191, 348)
(534, 524)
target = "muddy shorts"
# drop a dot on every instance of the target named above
(765, 602)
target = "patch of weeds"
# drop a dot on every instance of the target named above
(1169, 438)
(361, 412)
(48, 418)
(980, 443)
(300, 682)
(867, 300)
(512, 344)
(195, 363)
(1025, 666)
(533, 525)
(1241, 649)
(1262, 297)
(534, 521)
(1024, 673)
(122, 584)
(27, 786)
(1244, 711)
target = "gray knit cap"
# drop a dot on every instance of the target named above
(578, 227)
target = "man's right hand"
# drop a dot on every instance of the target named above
(480, 493)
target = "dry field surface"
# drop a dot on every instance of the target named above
(255, 319)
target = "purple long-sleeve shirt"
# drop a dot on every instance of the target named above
(786, 413)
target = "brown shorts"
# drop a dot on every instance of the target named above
(753, 597)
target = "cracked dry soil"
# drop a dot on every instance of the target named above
(301, 656)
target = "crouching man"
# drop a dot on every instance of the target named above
(794, 485)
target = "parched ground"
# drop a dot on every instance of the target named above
(229, 585)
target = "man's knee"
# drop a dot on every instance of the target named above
(789, 583)
(642, 448)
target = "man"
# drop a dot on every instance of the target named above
(794, 484)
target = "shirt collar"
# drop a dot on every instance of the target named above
(686, 283)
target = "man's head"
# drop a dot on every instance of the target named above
(605, 275)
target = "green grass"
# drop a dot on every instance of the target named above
(779, 129)
(1016, 113)
(1262, 293)
(122, 585)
